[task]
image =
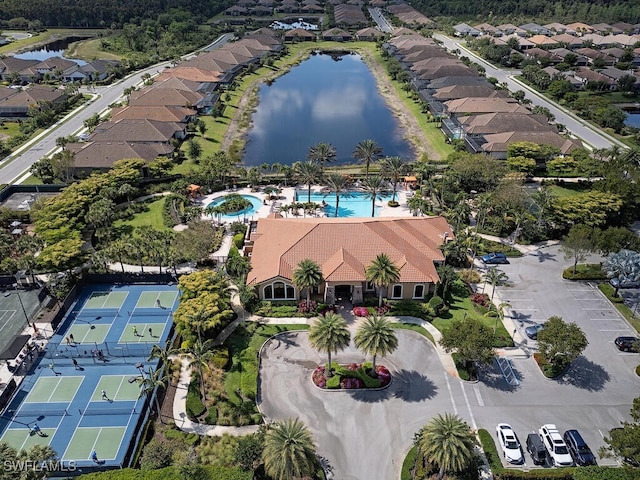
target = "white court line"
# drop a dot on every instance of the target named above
(115, 395)
(7, 322)
(53, 390)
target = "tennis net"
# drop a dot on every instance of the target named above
(107, 408)
(151, 312)
(94, 313)
(36, 409)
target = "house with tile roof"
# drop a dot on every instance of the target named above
(344, 247)
(159, 113)
(19, 103)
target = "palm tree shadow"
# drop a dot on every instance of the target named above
(412, 386)
(370, 396)
(585, 374)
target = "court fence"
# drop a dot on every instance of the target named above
(106, 353)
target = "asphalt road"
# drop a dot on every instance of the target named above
(381, 21)
(574, 124)
(366, 435)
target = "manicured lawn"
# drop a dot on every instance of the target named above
(42, 37)
(152, 217)
(566, 191)
(415, 328)
(88, 49)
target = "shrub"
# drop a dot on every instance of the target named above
(212, 416)
(489, 447)
(238, 240)
(436, 304)
(307, 307)
(470, 276)
(481, 299)
(238, 227)
(393, 203)
(194, 407)
(221, 357)
(361, 311)
(411, 309)
(638, 370)
(587, 271)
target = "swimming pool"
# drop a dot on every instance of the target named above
(352, 204)
(256, 203)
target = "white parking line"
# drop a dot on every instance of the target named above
(478, 396)
(590, 300)
(605, 319)
(613, 330)
(595, 309)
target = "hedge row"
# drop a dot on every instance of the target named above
(171, 473)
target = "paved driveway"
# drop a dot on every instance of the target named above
(362, 435)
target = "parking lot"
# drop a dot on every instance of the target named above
(596, 393)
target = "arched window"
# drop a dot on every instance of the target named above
(279, 291)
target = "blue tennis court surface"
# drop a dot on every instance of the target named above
(97, 404)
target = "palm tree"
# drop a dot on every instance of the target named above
(150, 382)
(448, 442)
(338, 184)
(376, 337)
(496, 278)
(417, 204)
(382, 272)
(367, 151)
(289, 451)
(373, 187)
(322, 153)
(199, 355)
(307, 274)
(394, 168)
(329, 334)
(307, 173)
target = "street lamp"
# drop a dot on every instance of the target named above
(26, 317)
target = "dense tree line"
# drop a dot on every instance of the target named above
(107, 13)
(578, 10)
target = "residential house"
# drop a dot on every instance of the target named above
(470, 106)
(593, 55)
(580, 28)
(369, 34)
(21, 101)
(158, 113)
(569, 41)
(344, 248)
(510, 29)
(542, 41)
(138, 131)
(464, 29)
(94, 71)
(299, 35)
(489, 29)
(337, 35)
(349, 15)
(468, 91)
(605, 29)
(53, 67)
(588, 76)
(535, 29)
(166, 97)
(100, 156)
(556, 28)
(581, 60)
(14, 69)
(497, 144)
(408, 15)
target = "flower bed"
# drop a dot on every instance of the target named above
(351, 377)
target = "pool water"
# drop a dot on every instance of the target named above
(353, 204)
(256, 203)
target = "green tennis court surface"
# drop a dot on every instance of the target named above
(156, 299)
(104, 440)
(117, 388)
(106, 300)
(142, 333)
(85, 333)
(54, 389)
(22, 438)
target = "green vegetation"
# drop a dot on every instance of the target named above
(585, 271)
(622, 308)
(151, 216)
(208, 472)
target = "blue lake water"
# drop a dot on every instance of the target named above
(44, 54)
(633, 120)
(354, 204)
(327, 98)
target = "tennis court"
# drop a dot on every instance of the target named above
(94, 403)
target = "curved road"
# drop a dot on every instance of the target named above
(579, 127)
(18, 163)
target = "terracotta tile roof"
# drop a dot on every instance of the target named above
(504, 122)
(168, 97)
(344, 247)
(105, 154)
(194, 74)
(484, 105)
(499, 142)
(159, 113)
(146, 131)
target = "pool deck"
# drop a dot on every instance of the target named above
(288, 196)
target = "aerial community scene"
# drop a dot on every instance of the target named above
(320, 240)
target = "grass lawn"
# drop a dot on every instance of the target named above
(415, 328)
(566, 191)
(43, 37)
(152, 217)
(244, 346)
(462, 308)
(89, 49)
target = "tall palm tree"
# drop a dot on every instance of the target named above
(307, 274)
(373, 187)
(448, 442)
(322, 153)
(382, 272)
(150, 382)
(496, 278)
(367, 151)
(307, 173)
(394, 168)
(199, 355)
(376, 337)
(338, 185)
(329, 334)
(289, 451)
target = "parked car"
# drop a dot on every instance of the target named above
(627, 344)
(532, 331)
(555, 445)
(578, 448)
(495, 257)
(509, 444)
(536, 449)
(616, 283)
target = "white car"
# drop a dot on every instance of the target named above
(555, 445)
(509, 443)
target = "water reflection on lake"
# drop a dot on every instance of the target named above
(326, 98)
(633, 119)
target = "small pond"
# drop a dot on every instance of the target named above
(53, 49)
(330, 98)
